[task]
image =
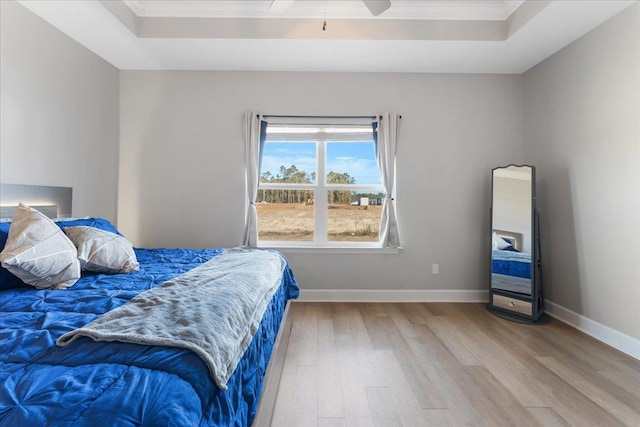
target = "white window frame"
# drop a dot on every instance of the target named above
(321, 204)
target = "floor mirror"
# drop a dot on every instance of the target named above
(516, 281)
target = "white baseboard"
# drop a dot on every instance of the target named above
(406, 295)
(615, 339)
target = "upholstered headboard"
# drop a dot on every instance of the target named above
(516, 238)
(55, 202)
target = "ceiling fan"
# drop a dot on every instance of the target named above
(376, 7)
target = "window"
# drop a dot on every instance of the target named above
(319, 186)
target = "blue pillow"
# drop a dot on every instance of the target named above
(4, 233)
(8, 280)
(100, 223)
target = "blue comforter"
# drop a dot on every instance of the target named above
(508, 263)
(91, 383)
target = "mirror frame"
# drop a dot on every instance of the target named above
(514, 305)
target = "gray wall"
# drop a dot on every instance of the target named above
(59, 113)
(582, 130)
(181, 168)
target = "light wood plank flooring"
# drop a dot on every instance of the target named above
(447, 364)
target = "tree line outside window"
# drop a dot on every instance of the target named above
(293, 175)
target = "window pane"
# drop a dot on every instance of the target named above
(285, 215)
(353, 216)
(351, 163)
(289, 162)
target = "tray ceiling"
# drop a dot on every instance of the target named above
(287, 35)
(401, 9)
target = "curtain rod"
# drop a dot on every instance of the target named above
(318, 117)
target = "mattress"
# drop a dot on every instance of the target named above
(509, 263)
(91, 383)
(511, 283)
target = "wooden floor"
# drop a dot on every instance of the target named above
(447, 364)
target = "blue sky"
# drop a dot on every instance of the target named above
(356, 158)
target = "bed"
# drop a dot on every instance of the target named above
(510, 268)
(511, 263)
(95, 383)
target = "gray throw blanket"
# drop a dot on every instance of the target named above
(213, 310)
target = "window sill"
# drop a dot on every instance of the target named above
(331, 249)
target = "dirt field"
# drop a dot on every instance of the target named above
(295, 222)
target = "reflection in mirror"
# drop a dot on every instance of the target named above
(512, 225)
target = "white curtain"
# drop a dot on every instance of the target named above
(386, 143)
(254, 133)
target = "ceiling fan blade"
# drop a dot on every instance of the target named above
(376, 7)
(278, 6)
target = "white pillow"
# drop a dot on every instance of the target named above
(102, 251)
(498, 242)
(38, 252)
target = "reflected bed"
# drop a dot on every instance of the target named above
(510, 268)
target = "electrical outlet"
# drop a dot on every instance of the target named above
(435, 269)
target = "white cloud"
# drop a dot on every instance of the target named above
(365, 171)
(273, 163)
